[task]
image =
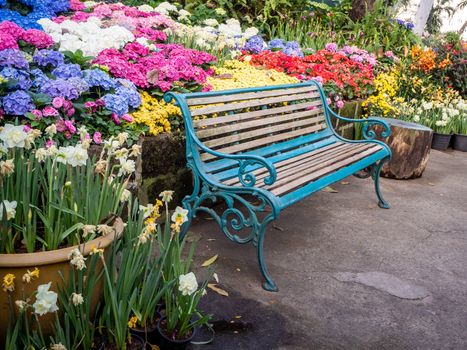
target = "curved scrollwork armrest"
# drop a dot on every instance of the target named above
(245, 176)
(368, 134)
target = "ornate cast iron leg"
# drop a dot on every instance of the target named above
(376, 175)
(188, 203)
(269, 285)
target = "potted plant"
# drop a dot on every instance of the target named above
(57, 205)
(182, 317)
(460, 138)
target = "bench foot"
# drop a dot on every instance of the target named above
(269, 285)
(376, 176)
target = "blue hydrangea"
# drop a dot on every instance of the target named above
(409, 25)
(44, 58)
(20, 77)
(276, 44)
(99, 78)
(13, 58)
(39, 78)
(116, 104)
(132, 97)
(80, 84)
(69, 70)
(17, 103)
(292, 48)
(59, 88)
(255, 44)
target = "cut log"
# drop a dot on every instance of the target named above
(410, 144)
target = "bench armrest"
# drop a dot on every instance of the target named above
(367, 122)
(245, 176)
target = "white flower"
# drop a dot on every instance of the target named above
(166, 196)
(135, 150)
(13, 136)
(122, 137)
(143, 237)
(58, 346)
(121, 153)
(41, 154)
(88, 230)
(3, 149)
(7, 167)
(9, 207)
(180, 215)
(220, 11)
(249, 32)
(187, 284)
(147, 210)
(46, 301)
(77, 259)
(145, 8)
(127, 167)
(211, 22)
(125, 196)
(77, 299)
(72, 155)
(183, 14)
(105, 230)
(165, 7)
(21, 304)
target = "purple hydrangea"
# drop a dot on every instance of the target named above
(80, 84)
(116, 104)
(20, 77)
(331, 47)
(13, 58)
(97, 77)
(276, 44)
(255, 44)
(409, 25)
(292, 48)
(46, 57)
(132, 97)
(59, 88)
(17, 103)
(69, 70)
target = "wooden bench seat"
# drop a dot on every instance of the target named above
(263, 149)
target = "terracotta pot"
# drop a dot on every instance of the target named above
(50, 264)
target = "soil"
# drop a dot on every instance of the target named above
(166, 333)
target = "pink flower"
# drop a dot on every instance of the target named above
(115, 119)
(97, 137)
(70, 112)
(57, 102)
(90, 105)
(69, 125)
(7, 42)
(37, 38)
(26, 128)
(49, 143)
(340, 104)
(49, 112)
(37, 113)
(67, 105)
(10, 28)
(100, 103)
(128, 118)
(76, 5)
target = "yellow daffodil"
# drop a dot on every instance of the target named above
(9, 282)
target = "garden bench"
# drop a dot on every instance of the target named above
(260, 150)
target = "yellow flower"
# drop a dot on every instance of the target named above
(31, 275)
(95, 250)
(132, 322)
(9, 282)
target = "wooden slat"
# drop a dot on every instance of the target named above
(255, 114)
(252, 103)
(318, 172)
(259, 173)
(277, 119)
(246, 135)
(248, 95)
(264, 141)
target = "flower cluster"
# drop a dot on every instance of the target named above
(256, 45)
(341, 76)
(39, 9)
(12, 36)
(170, 67)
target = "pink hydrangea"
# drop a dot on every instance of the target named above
(77, 5)
(7, 27)
(7, 42)
(37, 38)
(57, 102)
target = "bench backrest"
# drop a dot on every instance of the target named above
(237, 121)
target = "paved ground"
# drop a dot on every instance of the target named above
(422, 241)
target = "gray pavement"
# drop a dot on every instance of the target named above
(349, 272)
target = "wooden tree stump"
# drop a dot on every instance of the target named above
(410, 144)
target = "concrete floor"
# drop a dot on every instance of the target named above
(421, 240)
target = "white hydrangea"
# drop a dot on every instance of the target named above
(146, 8)
(165, 8)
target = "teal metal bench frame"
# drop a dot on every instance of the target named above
(254, 217)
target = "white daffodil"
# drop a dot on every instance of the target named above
(9, 208)
(187, 284)
(127, 167)
(180, 216)
(7, 167)
(46, 301)
(166, 196)
(125, 196)
(13, 136)
(77, 299)
(77, 259)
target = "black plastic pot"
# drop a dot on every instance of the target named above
(460, 142)
(167, 343)
(137, 340)
(150, 334)
(441, 141)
